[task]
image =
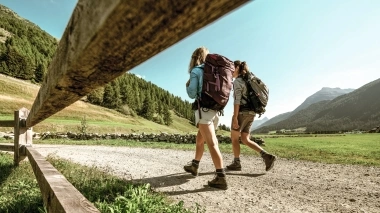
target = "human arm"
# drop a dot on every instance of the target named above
(238, 90)
(235, 123)
(193, 83)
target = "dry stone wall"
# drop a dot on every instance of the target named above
(142, 137)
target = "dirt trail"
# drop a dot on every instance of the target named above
(292, 186)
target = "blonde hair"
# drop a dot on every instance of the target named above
(198, 57)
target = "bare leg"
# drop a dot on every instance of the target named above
(208, 133)
(200, 147)
(235, 143)
(251, 144)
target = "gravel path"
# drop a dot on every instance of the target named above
(291, 186)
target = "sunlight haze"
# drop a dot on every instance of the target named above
(296, 47)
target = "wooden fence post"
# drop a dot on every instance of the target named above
(22, 135)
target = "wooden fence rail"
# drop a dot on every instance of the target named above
(102, 41)
(7, 147)
(10, 123)
(58, 194)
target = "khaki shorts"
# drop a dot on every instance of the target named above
(208, 117)
(245, 120)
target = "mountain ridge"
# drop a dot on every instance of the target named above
(326, 93)
(358, 109)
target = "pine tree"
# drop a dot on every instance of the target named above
(39, 74)
(124, 90)
(116, 95)
(147, 109)
(159, 108)
(96, 96)
(167, 116)
(108, 96)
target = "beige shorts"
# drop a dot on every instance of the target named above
(208, 117)
(245, 120)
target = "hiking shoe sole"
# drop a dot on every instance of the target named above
(272, 164)
(190, 171)
(218, 186)
(233, 169)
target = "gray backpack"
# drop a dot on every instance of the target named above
(258, 93)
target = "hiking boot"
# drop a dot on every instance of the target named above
(191, 168)
(269, 160)
(235, 165)
(218, 182)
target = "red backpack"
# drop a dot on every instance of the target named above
(217, 82)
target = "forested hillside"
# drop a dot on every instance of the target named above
(130, 94)
(26, 51)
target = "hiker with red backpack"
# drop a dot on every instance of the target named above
(242, 119)
(210, 84)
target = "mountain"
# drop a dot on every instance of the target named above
(25, 49)
(257, 123)
(273, 120)
(325, 93)
(355, 110)
(16, 93)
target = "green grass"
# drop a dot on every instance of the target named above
(15, 94)
(363, 149)
(20, 192)
(18, 187)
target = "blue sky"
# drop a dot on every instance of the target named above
(296, 46)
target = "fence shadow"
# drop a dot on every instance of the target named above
(5, 168)
(244, 174)
(181, 178)
(169, 180)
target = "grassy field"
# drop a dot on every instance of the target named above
(15, 94)
(20, 191)
(360, 149)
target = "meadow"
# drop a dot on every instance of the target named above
(355, 149)
(20, 192)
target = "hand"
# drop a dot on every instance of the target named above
(235, 123)
(188, 83)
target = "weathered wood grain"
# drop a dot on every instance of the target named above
(7, 147)
(58, 194)
(104, 39)
(22, 134)
(5, 123)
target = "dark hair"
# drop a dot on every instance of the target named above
(243, 67)
(237, 63)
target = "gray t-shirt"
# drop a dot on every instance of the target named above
(240, 91)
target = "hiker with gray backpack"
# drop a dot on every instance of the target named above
(210, 85)
(250, 98)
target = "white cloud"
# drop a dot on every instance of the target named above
(140, 76)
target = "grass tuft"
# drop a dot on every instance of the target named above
(20, 191)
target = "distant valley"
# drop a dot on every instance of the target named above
(331, 109)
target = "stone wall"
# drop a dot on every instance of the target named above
(142, 137)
